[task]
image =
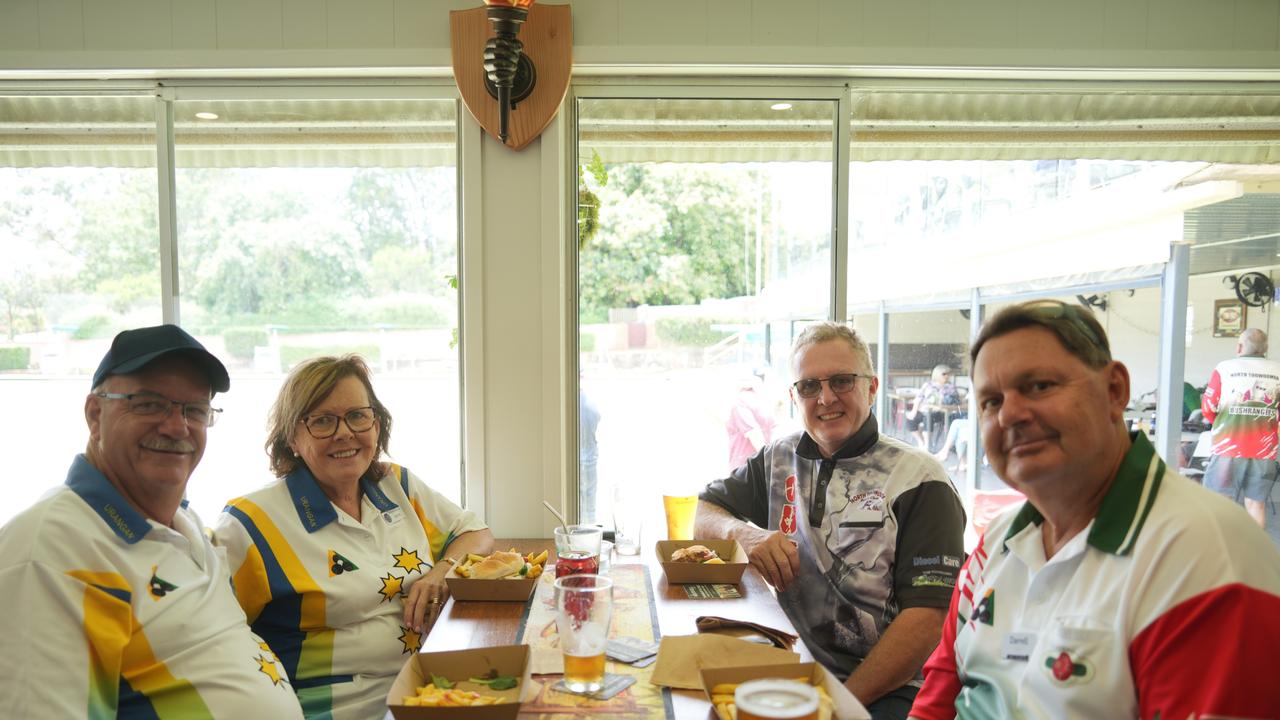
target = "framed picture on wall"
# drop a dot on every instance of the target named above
(1228, 318)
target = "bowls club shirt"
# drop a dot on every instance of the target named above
(327, 591)
(107, 614)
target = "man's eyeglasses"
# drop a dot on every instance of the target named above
(323, 426)
(840, 383)
(198, 414)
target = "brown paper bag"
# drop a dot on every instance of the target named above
(681, 657)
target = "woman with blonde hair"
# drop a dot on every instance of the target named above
(934, 395)
(339, 564)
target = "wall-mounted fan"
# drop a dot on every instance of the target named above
(1253, 289)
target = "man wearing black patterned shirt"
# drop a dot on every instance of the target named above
(862, 535)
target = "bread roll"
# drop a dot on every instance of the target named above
(693, 554)
(497, 565)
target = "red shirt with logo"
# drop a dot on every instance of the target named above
(1241, 401)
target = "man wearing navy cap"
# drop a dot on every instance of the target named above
(116, 603)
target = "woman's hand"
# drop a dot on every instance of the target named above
(426, 599)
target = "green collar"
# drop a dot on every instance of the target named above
(1125, 507)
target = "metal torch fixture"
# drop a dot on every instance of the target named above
(509, 74)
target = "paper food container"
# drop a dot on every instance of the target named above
(457, 666)
(847, 706)
(735, 562)
(501, 590)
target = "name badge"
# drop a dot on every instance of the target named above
(1018, 646)
(393, 516)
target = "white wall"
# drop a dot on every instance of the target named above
(522, 287)
(166, 34)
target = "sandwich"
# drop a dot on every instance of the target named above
(498, 565)
(695, 554)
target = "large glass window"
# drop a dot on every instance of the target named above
(1066, 192)
(321, 227)
(80, 245)
(704, 244)
(304, 227)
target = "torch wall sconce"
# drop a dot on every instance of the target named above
(512, 61)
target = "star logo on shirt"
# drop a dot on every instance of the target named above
(159, 588)
(412, 640)
(268, 667)
(391, 587)
(408, 560)
(266, 650)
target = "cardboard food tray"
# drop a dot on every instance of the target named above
(502, 590)
(458, 665)
(735, 562)
(847, 706)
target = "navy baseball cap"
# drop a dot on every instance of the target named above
(132, 350)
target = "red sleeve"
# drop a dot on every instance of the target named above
(1211, 655)
(937, 697)
(1209, 401)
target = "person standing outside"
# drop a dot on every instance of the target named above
(588, 457)
(1119, 589)
(750, 425)
(115, 602)
(1242, 400)
(861, 534)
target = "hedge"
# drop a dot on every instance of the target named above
(15, 358)
(291, 355)
(241, 341)
(695, 331)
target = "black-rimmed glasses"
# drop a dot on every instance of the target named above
(839, 383)
(198, 413)
(323, 426)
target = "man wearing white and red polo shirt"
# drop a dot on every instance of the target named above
(1241, 401)
(1119, 589)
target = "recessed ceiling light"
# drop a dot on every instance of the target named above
(780, 106)
(207, 115)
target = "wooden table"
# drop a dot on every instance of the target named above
(481, 624)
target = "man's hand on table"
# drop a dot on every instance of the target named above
(773, 554)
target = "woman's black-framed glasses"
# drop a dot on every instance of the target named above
(839, 383)
(198, 413)
(323, 426)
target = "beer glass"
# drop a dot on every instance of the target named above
(584, 606)
(681, 511)
(578, 549)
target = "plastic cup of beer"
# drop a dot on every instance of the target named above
(584, 606)
(578, 549)
(776, 699)
(681, 511)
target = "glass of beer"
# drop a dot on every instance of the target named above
(578, 549)
(681, 510)
(776, 699)
(584, 607)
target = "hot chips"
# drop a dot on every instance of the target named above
(431, 696)
(533, 564)
(722, 700)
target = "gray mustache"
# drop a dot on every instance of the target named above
(167, 445)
